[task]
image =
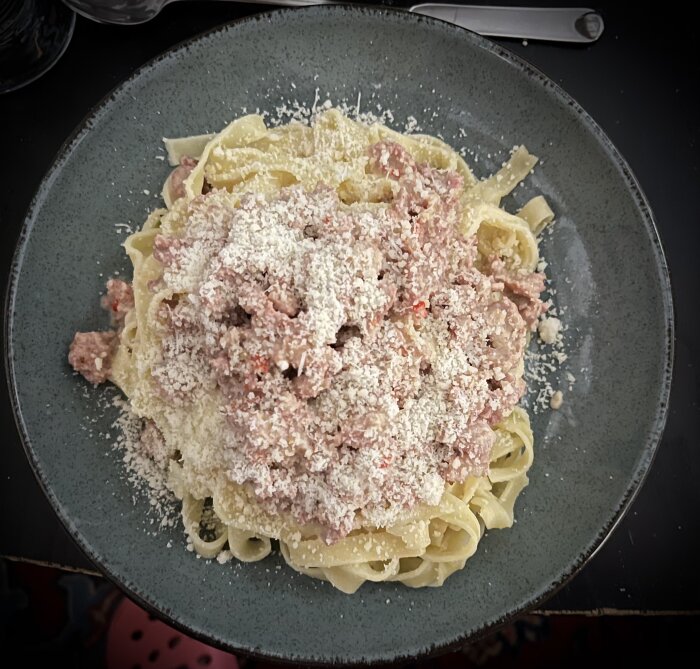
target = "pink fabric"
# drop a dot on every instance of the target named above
(135, 638)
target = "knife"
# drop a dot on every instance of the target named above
(551, 24)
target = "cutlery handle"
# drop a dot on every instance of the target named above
(288, 3)
(545, 23)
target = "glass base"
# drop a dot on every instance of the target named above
(33, 36)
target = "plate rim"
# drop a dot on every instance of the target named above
(657, 421)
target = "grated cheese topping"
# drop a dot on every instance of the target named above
(358, 355)
(548, 329)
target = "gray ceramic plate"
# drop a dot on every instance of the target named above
(604, 255)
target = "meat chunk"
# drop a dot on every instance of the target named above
(523, 288)
(119, 300)
(91, 354)
(177, 178)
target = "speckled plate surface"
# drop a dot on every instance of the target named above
(605, 259)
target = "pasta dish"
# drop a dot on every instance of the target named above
(324, 340)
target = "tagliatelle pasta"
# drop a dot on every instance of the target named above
(324, 337)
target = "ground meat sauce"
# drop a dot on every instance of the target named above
(118, 300)
(523, 288)
(91, 353)
(360, 356)
(177, 178)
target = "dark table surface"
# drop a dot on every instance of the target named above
(639, 82)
